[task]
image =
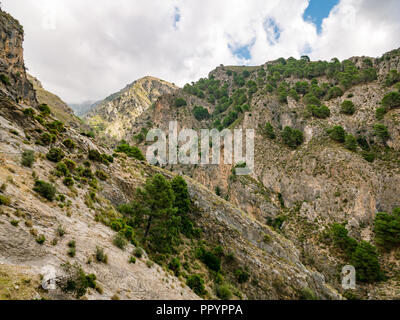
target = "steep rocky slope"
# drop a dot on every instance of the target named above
(302, 189)
(114, 116)
(59, 192)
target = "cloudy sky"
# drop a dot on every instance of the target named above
(88, 49)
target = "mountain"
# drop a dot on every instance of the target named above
(114, 115)
(327, 147)
(71, 216)
(80, 109)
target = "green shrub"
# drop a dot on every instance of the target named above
(44, 110)
(55, 155)
(391, 100)
(100, 255)
(241, 275)
(41, 239)
(368, 156)
(29, 112)
(180, 102)
(77, 281)
(338, 134)
(334, 92)
(347, 107)
(381, 131)
(14, 223)
(71, 165)
(5, 79)
(307, 294)
(223, 292)
(380, 113)
(175, 266)
(69, 144)
(350, 142)
(28, 158)
(68, 181)
(292, 137)
(196, 283)
(4, 201)
(392, 77)
(200, 113)
(365, 261)
(45, 189)
(61, 169)
(120, 241)
(132, 260)
(269, 131)
(101, 175)
(132, 152)
(47, 138)
(321, 112)
(138, 252)
(387, 228)
(55, 127)
(211, 261)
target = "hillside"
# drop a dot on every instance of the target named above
(326, 153)
(71, 214)
(114, 115)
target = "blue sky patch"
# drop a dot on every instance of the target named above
(318, 10)
(177, 16)
(272, 30)
(242, 52)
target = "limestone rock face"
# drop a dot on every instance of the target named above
(12, 61)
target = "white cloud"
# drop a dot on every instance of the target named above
(88, 49)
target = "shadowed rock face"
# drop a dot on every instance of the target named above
(115, 115)
(12, 60)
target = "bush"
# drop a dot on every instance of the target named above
(132, 260)
(71, 165)
(180, 102)
(138, 252)
(101, 175)
(55, 127)
(321, 112)
(292, 137)
(175, 266)
(350, 142)
(211, 261)
(61, 169)
(269, 131)
(369, 156)
(347, 107)
(55, 155)
(47, 138)
(132, 152)
(200, 113)
(338, 134)
(5, 79)
(334, 92)
(4, 201)
(45, 189)
(196, 283)
(44, 110)
(223, 292)
(307, 294)
(391, 100)
(41, 239)
(29, 112)
(380, 113)
(28, 158)
(381, 131)
(100, 255)
(68, 181)
(241, 275)
(365, 261)
(120, 241)
(69, 144)
(387, 228)
(77, 281)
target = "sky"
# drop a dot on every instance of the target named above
(86, 50)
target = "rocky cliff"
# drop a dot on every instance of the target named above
(115, 115)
